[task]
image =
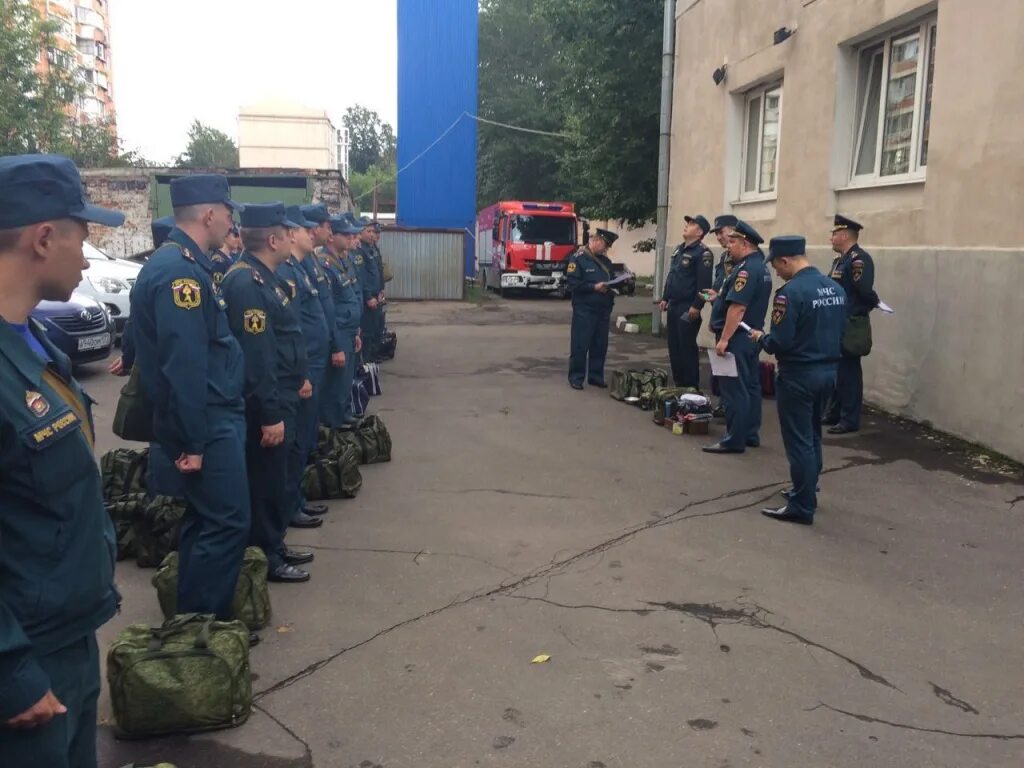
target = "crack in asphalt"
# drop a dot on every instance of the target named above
(308, 758)
(505, 492)
(606, 609)
(713, 615)
(1014, 502)
(501, 589)
(947, 697)
(552, 568)
(908, 727)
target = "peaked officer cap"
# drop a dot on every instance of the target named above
(841, 222)
(608, 237)
(747, 232)
(700, 221)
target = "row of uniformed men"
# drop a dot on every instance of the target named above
(819, 382)
(243, 364)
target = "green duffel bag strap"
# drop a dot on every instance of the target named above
(177, 625)
(133, 417)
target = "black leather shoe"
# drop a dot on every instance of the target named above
(288, 574)
(302, 520)
(574, 385)
(719, 448)
(598, 384)
(786, 516)
(315, 510)
(841, 429)
(254, 639)
(297, 557)
(753, 443)
(829, 422)
(787, 493)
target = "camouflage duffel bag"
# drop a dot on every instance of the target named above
(649, 380)
(252, 598)
(157, 529)
(333, 475)
(374, 440)
(124, 472)
(123, 513)
(333, 441)
(189, 675)
(618, 387)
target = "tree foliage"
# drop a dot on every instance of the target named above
(587, 68)
(371, 140)
(381, 178)
(208, 148)
(96, 145)
(34, 103)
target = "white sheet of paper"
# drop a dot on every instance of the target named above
(886, 308)
(624, 277)
(723, 366)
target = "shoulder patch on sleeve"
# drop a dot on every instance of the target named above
(779, 308)
(858, 269)
(187, 293)
(254, 321)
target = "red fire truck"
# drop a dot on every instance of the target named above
(525, 245)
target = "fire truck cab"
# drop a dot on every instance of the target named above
(522, 245)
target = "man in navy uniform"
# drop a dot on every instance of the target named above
(56, 541)
(853, 269)
(808, 316)
(224, 256)
(371, 280)
(723, 226)
(191, 368)
(323, 234)
(744, 298)
(261, 318)
(588, 273)
(305, 297)
(691, 273)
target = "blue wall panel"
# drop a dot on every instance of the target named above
(437, 82)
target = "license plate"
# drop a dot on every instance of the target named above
(94, 342)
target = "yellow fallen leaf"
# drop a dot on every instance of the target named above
(285, 629)
(542, 659)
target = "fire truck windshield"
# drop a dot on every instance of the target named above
(537, 230)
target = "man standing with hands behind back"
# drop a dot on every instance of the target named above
(691, 273)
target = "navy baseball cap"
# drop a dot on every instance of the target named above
(265, 216)
(202, 188)
(294, 213)
(37, 188)
(700, 221)
(747, 232)
(161, 228)
(316, 213)
(786, 245)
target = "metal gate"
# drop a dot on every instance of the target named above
(427, 263)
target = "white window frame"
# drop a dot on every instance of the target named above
(923, 30)
(761, 91)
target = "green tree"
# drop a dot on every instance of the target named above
(35, 106)
(520, 80)
(371, 140)
(96, 145)
(587, 68)
(381, 178)
(208, 148)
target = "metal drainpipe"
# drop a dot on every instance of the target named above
(664, 161)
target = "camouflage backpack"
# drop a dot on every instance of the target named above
(189, 675)
(156, 530)
(333, 475)
(124, 472)
(123, 513)
(374, 440)
(252, 598)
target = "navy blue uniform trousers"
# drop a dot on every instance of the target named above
(273, 474)
(588, 346)
(307, 420)
(215, 527)
(741, 395)
(69, 740)
(802, 394)
(848, 399)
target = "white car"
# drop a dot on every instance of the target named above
(109, 281)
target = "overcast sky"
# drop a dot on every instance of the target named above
(179, 60)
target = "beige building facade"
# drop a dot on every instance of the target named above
(906, 116)
(282, 135)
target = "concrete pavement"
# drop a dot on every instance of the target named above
(521, 518)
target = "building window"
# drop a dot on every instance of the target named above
(894, 105)
(101, 51)
(762, 123)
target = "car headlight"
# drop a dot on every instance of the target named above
(109, 285)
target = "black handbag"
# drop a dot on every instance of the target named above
(133, 419)
(857, 336)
